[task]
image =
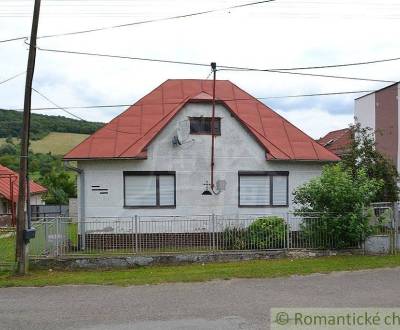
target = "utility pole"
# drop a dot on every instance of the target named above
(22, 220)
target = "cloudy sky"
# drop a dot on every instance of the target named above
(279, 34)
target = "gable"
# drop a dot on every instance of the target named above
(128, 135)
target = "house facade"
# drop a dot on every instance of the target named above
(9, 195)
(155, 158)
(380, 112)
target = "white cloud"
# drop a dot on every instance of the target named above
(316, 122)
(284, 33)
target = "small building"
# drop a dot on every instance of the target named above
(158, 157)
(339, 141)
(379, 111)
(9, 195)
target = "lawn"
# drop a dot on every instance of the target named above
(201, 272)
(7, 248)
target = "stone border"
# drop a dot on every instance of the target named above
(98, 262)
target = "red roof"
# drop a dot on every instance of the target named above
(338, 141)
(128, 135)
(5, 187)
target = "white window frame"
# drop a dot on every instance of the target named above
(270, 175)
(157, 175)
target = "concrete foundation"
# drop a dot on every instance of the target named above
(175, 259)
(377, 244)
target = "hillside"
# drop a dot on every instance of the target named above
(41, 125)
(57, 143)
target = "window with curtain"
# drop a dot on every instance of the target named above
(262, 189)
(149, 189)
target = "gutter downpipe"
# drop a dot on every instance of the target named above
(81, 211)
(214, 69)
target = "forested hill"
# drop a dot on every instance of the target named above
(41, 125)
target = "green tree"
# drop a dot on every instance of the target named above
(60, 186)
(339, 198)
(364, 155)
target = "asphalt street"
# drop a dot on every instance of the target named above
(231, 304)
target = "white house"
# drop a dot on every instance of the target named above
(154, 159)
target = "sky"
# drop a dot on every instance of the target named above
(279, 34)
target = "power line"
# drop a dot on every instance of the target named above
(13, 77)
(224, 68)
(341, 65)
(145, 21)
(220, 100)
(60, 108)
(221, 67)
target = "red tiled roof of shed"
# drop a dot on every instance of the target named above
(128, 135)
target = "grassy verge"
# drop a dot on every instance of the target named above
(197, 272)
(7, 247)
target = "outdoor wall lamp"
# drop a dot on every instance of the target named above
(207, 191)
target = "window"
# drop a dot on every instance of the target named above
(261, 189)
(202, 125)
(149, 189)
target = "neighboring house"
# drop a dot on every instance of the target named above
(338, 141)
(380, 111)
(9, 194)
(155, 158)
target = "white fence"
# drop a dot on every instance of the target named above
(175, 234)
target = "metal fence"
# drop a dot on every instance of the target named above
(180, 234)
(45, 211)
(7, 247)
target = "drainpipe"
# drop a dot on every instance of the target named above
(214, 69)
(81, 212)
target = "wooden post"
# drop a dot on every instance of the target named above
(22, 246)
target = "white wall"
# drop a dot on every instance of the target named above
(364, 111)
(36, 199)
(235, 151)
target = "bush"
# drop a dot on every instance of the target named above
(268, 233)
(264, 233)
(339, 199)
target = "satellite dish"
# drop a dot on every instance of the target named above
(183, 131)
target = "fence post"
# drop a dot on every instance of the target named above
(396, 226)
(287, 232)
(213, 230)
(136, 234)
(57, 233)
(46, 236)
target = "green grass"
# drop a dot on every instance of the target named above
(198, 272)
(54, 142)
(57, 143)
(7, 248)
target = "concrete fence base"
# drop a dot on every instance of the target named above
(175, 259)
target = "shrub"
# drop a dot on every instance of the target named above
(268, 233)
(339, 198)
(234, 238)
(264, 233)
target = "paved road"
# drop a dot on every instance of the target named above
(233, 304)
